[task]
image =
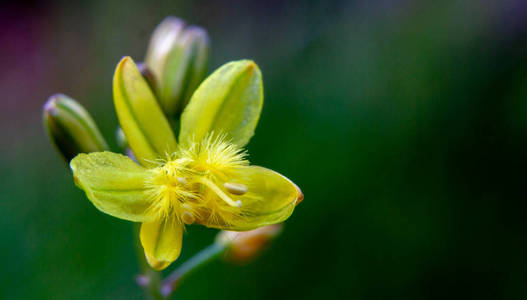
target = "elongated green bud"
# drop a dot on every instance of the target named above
(120, 138)
(71, 128)
(161, 43)
(178, 58)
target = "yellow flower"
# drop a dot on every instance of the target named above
(204, 179)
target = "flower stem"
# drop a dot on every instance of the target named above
(170, 283)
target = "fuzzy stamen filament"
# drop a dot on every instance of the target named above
(219, 192)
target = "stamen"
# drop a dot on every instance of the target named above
(235, 188)
(187, 217)
(183, 181)
(219, 192)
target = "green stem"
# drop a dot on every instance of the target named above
(203, 257)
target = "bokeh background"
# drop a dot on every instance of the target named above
(404, 122)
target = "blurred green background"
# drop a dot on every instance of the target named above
(404, 123)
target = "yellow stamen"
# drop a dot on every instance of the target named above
(183, 181)
(214, 155)
(219, 192)
(187, 218)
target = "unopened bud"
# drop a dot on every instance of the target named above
(71, 128)
(120, 138)
(245, 245)
(148, 75)
(161, 43)
(178, 58)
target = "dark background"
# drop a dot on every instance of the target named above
(404, 123)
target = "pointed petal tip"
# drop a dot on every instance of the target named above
(172, 20)
(155, 264)
(250, 65)
(123, 60)
(50, 107)
(161, 241)
(300, 197)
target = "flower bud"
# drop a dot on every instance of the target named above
(148, 75)
(162, 42)
(71, 128)
(245, 245)
(178, 57)
(120, 138)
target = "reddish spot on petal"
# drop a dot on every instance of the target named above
(300, 197)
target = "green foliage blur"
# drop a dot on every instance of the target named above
(404, 123)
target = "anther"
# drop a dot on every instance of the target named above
(182, 181)
(187, 217)
(235, 188)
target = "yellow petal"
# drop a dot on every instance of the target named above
(145, 126)
(228, 102)
(161, 241)
(263, 196)
(114, 184)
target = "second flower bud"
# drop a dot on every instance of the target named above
(177, 56)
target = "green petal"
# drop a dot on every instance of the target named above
(114, 184)
(161, 241)
(270, 198)
(228, 102)
(142, 120)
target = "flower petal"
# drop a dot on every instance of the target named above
(114, 184)
(161, 241)
(145, 126)
(228, 102)
(268, 198)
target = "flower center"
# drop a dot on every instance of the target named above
(172, 192)
(197, 182)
